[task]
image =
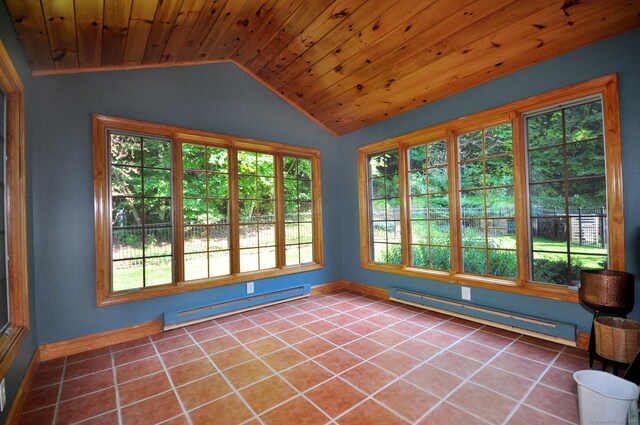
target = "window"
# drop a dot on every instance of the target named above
(384, 181)
(14, 306)
(179, 210)
(298, 210)
(429, 203)
(519, 198)
(140, 211)
(205, 188)
(568, 191)
(487, 204)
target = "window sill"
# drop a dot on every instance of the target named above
(195, 285)
(506, 285)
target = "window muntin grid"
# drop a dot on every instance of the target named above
(141, 211)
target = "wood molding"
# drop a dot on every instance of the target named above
(327, 287)
(98, 340)
(23, 391)
(374, 291)
(582, 340)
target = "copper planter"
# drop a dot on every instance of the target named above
(607, 291)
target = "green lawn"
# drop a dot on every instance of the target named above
(125, 278)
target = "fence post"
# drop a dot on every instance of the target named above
(579, 226)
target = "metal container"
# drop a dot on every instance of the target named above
(607, 291)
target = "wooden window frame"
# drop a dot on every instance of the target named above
(12, 339)
(102, 211)
(606, 87)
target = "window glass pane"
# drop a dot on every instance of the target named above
(141, 212)
(157, 153)
(438, 180)
(474, 260)
(498, 140)
(490, 175)
(385, 190)
(299, 231)
(193, 157)
(218, 159)
(470, 146)
(471, 175)
(568, 218)
(206, 203)
(585, 159)
(218, 185)
(257, 208)
(418, 157)
(125, 150)
(500, 171)
(544, 130)
(546, 164)
(503, 263)
(430, 206)
(219, 263)
(437, 153)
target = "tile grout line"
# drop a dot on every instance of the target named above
(58, 401)
(276, 373)
(233, 389)
(537, 382)
(403, 315)
(173, 387)
(116, 387)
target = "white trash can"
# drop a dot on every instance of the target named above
(603, 398)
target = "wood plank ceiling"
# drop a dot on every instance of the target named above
(345, 63)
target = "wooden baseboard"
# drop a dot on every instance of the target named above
(99, 340)
(327, 287)
(23, 391)
(582, 340)
(361, 288)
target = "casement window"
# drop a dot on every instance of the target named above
(519, 198)
(180, 210)
(14, 305)
(567, 187)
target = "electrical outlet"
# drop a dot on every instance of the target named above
(466, 293)
(3, 396)
(249, 287)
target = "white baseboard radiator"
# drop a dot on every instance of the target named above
(176, 319)
(564, 333)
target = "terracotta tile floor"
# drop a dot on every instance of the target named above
(338, 358)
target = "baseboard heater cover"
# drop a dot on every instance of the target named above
(565, 332)
(176, 319)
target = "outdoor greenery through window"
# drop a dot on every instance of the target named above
(384, 181)
(176, 208)
(298, 216)
(205, 188)
(519, 198)
(568, 192)
(142, 231)
(487, 205)
(429, 200)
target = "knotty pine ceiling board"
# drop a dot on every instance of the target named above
(347, 64)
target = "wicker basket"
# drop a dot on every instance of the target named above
(617, 339)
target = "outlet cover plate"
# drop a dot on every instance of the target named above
(250, 288)
(466, 293)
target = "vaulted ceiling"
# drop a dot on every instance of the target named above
(345, 63)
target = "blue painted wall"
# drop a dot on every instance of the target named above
(20, 364)
(618, 55)
(217, 98)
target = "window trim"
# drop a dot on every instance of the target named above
(102, 214)
(11, 342)
(606, 86)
